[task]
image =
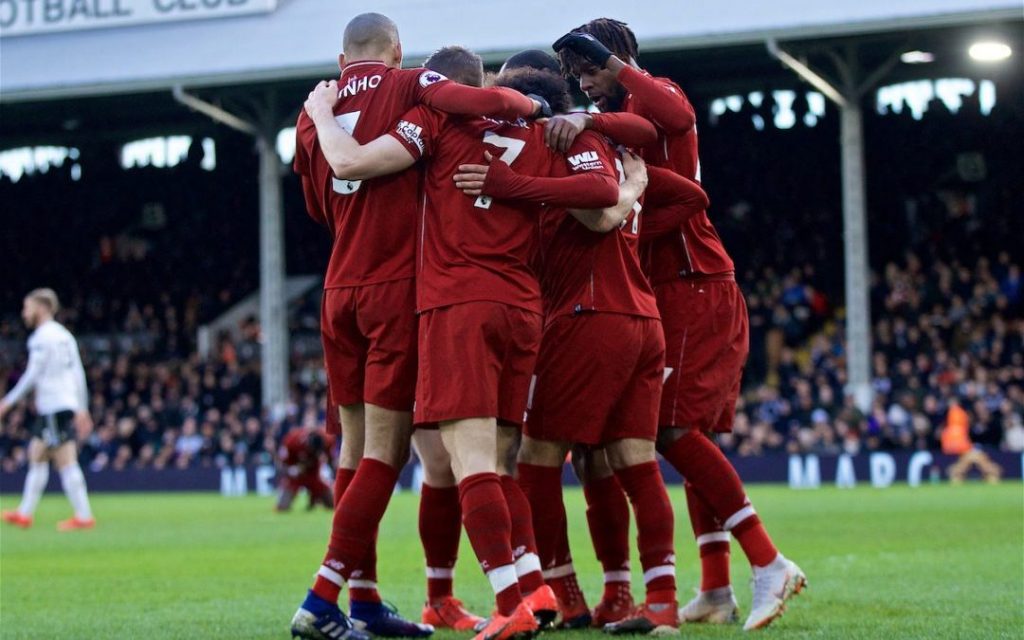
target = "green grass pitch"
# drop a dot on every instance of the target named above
(933, 562)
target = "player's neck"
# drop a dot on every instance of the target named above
(361, 64)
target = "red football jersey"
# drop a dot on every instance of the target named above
(697, 249)
(295, 449)
(372, 222)
(475, 248)
(582, 270)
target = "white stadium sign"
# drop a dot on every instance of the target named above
(29, 17)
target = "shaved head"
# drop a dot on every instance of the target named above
(369, 35)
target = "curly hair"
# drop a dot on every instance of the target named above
(615, 35)
(546, 84)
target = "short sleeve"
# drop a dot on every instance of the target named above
(590, 153)
(428, 82)
(417, 130)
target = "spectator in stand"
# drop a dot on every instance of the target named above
(956, 440)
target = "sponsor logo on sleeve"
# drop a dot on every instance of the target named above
(428, 78)
(586, 161)
(411, 133)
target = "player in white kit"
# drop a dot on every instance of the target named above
(62, 403)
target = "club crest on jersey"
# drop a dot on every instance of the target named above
(428, 78)
(586, 161)
(411, 133)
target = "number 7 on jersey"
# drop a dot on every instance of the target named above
(347, 121)
(512, 148)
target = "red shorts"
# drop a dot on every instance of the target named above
(311, 482)
(369, 337)
(476, 361)
(707, 341)
(599, 379)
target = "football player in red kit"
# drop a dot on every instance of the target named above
(593, 288)
(706, 334)
(368, 321)
(480, 319)
(301, 455)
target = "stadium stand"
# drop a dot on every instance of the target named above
(151, 262)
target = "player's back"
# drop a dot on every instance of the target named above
(583, 270)
(293, 446)
(56, 388)
(480, 248)
(697, 249)
(372, 221)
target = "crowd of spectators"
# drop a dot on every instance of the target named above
(946, 242)
(152, 261)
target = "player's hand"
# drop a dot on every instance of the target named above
(561, 131)
(323, 97)
(634, 168)
(83, 424)
(586, 46)
(541, 107)
(471, 177)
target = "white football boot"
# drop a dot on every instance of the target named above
(717, 606)
(773, 585)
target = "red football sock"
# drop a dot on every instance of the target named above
(705, 467)
(363, 581)
(355, 525)
(654, 524)
(489, 527)
(524, 544)
(362, 584)
(440, 527)
(608, 519)
(712, 541)
(754, 539)
(342, 479)
(543, 488)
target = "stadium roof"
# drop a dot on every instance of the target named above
(299, 38)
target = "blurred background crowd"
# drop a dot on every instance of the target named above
(140, 266)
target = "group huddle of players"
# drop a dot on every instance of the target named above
(510, 283)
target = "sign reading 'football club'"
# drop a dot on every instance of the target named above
(29, 17)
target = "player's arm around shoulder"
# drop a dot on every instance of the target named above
(497, 102)
(348, 159)
(659, 100)
(669, 202)
(630, 190)
(590, 183)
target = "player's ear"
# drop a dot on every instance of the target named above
(398, 54)
(341, 61)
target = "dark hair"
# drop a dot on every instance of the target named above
(546, 84)
(316, 442)
(457, 63)
(615, 35)
(533, 58)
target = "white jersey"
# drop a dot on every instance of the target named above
(54, 371)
